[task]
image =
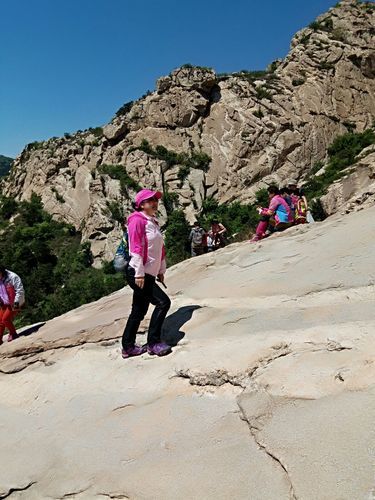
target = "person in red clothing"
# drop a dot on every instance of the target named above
(276, 217)
(11, 297)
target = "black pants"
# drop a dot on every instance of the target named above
(151, 293)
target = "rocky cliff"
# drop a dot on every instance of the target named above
(269, 393)
(256, 127)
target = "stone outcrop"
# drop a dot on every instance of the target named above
(356, 190)
(268, 394)
(257, 127)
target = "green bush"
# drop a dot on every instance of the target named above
(298, 81)
(119, 173)
(316, 167)
(258, 113)
(125, 108)
(326, 25)
(239, 219)
(304, 38)
(325, 65)
(97, 131)
(170, 201)
(263, 93)
(59, 197)
(35, 145)
(5, 165)
(262, 198)
(341, 154)
(117, 211)
(8, 207)
(56, 269)
(196, 159)
(176, 238)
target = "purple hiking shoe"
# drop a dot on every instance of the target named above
(135, 350)
(159, 349)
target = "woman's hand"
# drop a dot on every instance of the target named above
(140, 282)
(161, 278)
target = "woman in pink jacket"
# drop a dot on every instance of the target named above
(147, 262)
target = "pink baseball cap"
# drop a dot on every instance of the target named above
(146, 194)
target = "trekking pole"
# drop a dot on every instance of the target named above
(162, 282)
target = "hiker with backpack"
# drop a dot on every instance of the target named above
(146, 264)
(198, 240)
(286, 194)
(299, 203)
(218, 232)
(274, 218)
(300, 216)
(12, 297)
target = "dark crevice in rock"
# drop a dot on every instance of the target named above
(253, 431)
(15, 490)
(116, 496)
(218, 378)
(213, 379)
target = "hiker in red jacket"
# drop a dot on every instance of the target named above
(12, 296)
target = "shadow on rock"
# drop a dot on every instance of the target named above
(28, 330)
(171, 329)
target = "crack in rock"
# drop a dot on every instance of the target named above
(15, 490)
(253, 432)
(30, 355)
(73, 493)
(114, 496)
(218, 378)
(118, 408)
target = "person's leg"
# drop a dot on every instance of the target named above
(193, 252)
(2, 326)
(139, 309)
(7, 320)
(162, 304)
(261, 228)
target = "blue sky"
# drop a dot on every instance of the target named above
(68, 65)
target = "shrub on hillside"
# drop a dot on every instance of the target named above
(176, 238)
(55, 267)
(119, 173)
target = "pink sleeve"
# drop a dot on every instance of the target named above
(136, 232)
(274, 204)
(163, 265)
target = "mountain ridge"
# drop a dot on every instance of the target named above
(256, 128)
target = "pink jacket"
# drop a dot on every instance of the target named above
(146, 246)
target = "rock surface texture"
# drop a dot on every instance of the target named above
(257, 128)
(269, 393)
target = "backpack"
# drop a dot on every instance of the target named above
(301, 209)
(197, 238)
(122, 256)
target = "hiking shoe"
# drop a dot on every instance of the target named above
(160, 349)
(255, 238)
(135, 350)
(12, 337)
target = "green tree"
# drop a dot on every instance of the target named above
(176, 237)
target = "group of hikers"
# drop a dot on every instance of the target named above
(287, 207)
(143, 255)
(202, 241)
